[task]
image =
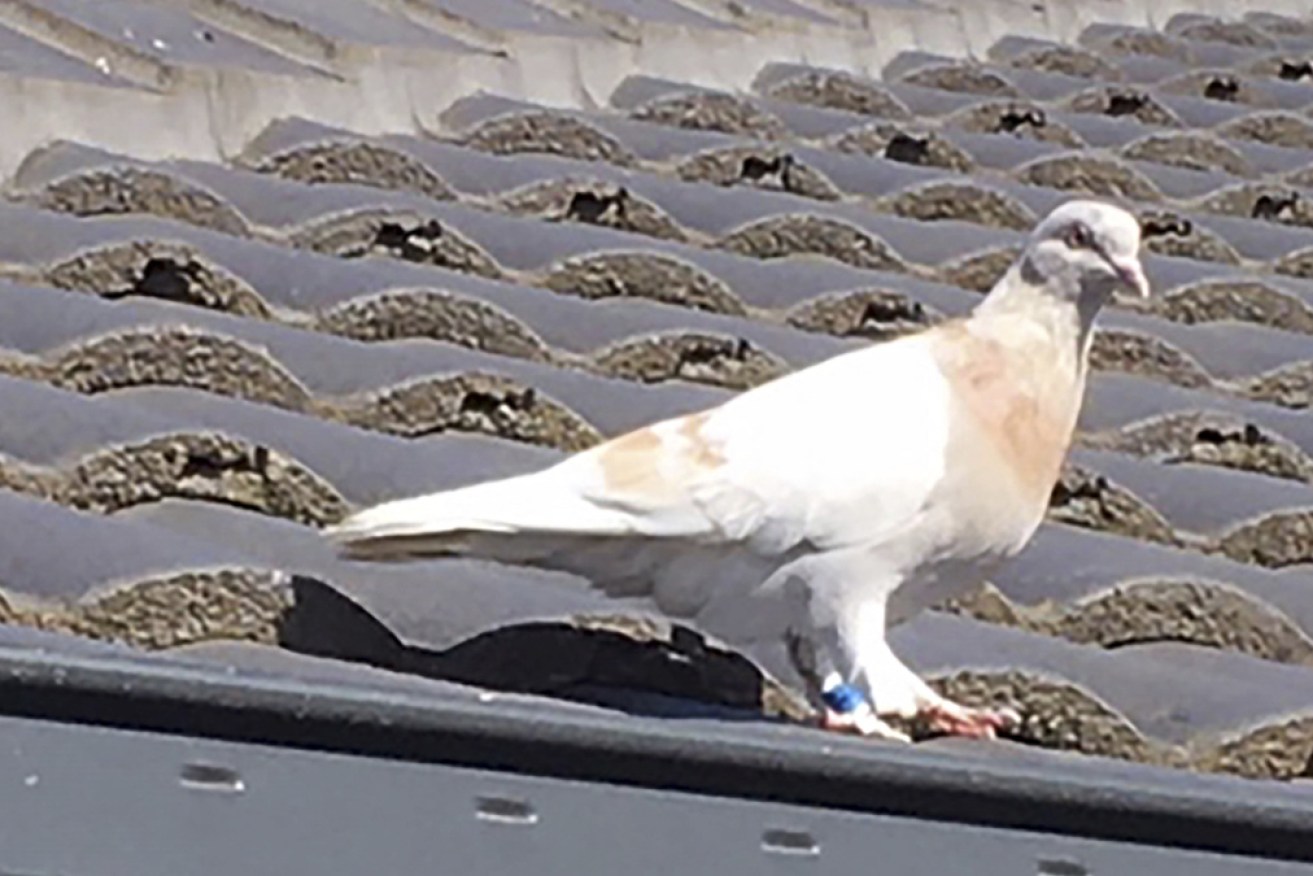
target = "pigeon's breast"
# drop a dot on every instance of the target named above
(982, 513)
(1013, 410)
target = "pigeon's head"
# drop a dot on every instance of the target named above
(1087, 250)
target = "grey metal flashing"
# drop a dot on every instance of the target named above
(90, 800)
(727, 760)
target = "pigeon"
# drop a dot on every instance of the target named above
(809, 514)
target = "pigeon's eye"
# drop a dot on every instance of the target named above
(1077, 236)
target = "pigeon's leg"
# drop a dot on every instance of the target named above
(847, 710)
(844, 708)
(894, 689)
(897, 690)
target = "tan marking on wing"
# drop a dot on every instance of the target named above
(646, 462)
(1022, 399)
(700, 451)
(629, 462)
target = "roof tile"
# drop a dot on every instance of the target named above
(204, 357)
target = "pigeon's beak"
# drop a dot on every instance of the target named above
(1131, 274)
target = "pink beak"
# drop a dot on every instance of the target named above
(1132, 275)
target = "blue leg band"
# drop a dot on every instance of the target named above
(843, 698)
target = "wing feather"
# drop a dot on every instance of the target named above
(839, 453)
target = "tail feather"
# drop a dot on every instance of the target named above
(465, 520)
(545, 520)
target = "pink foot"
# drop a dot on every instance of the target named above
(952, 719)
(861, 721)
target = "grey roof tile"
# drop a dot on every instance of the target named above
(1270, 691)
(810, 122)
(1148, 69)
(480, 173)
(1179, 183)
(932, 103)
(657, 142)
(1107, 132)
(356, 22)
(1285, 95)
(664, 12)
(1100, 588)
(1116, 401)
(1207, 52)
(1204, 500)
(1036, 53)
(794, 10)
(1208, 436)
(366, 466)
(1167, 272)
(834, 92)
(1223, 350)
(59, 430)
(1279, 128)
(1227, 87)
(298, 362)
(49, 425)
(866, 175)
(324, 271)
(1263, 241)
(1171, 694)
(511, 15)
(53, 552)
(284, 205)
(909, 61)
(57, 160)
(690, 107)
(482, 106)
(1121, 40)
(21, 56)
(1280, 27)
(428, 605)
(250, 181)
(1044, 85)
(961, 77)
(1131, 102)
(1202, 153)
(173, 36)
(1208, 28)
(40, 236)
(1000, 151)
(1201, 112)
(635, 91)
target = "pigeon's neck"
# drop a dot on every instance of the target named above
(1018, 364)
(1019, 310)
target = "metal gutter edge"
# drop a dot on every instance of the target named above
(1139, 805)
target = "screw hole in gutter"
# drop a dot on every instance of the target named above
(504, 810)
(207, 777)
(778, 841)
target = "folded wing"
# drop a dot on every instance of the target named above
(840, 453)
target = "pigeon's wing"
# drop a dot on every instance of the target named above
(845, 452)
(842, 452)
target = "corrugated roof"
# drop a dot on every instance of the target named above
(265, 261)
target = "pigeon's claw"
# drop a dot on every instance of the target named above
(862, 722)
(953, 719)
(847, 710)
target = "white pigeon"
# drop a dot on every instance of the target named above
(811, 512)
